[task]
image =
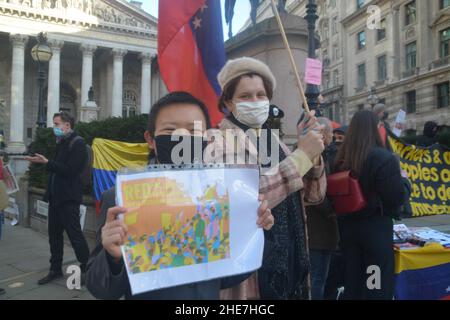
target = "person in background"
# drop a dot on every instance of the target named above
(322, 224)
(366, 235)
(3, 202)
(64, 194)
(339, 135)
(383, 127)
(429, 137)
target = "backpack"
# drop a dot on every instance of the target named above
(86, 172)
(346, 193)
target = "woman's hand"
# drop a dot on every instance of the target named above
(265, 217)
(310, 137)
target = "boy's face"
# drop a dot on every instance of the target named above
(178, 117)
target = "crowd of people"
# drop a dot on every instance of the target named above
(309, 251)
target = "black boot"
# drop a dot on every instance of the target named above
(52, 275)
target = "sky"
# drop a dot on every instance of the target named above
(241, 13)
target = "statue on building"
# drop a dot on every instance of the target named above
(282, 6)
(254, 9)
(229, 14)
(37, 4)
(47, 4)
(89, 7)
(91, 94)
(59, 5)
(27, 3)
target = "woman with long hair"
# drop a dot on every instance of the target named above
(366, 236)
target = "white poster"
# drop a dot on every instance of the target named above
(190, 225)
(399, 124)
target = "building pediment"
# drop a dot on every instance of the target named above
(118, 15)
(444, 17)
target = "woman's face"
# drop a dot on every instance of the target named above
(249, 89)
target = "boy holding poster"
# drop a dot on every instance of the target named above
(106, 277)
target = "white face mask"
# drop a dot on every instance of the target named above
(252, 113)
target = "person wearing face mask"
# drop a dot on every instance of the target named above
(383, 126)
(106, 277)
(64, 194)
(298, 178)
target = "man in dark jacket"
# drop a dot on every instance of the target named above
(64, 194)
(429, 137)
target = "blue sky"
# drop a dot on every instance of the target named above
(241, 13)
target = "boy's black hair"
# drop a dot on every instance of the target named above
(174, 98)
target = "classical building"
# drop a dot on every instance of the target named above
(404, 61)
(109, 45)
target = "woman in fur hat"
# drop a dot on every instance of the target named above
(288, 181)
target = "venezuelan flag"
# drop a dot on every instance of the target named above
(423, 273)
(191, 50)
(109, 157)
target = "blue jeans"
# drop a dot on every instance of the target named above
(320, 264)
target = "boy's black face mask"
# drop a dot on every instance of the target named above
(173, 152)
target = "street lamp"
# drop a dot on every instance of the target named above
(41, 53)
(312, 92)
(372, 99)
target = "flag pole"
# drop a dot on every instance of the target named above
(291, 57)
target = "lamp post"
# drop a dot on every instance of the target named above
(312, 92)
(41, 53)
(372, 99)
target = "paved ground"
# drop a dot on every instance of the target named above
(24, 256)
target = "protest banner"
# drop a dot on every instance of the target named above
(189, 225)
(428, 170)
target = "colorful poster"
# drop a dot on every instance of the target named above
(189, 225)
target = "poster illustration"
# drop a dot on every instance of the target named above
(189, 225)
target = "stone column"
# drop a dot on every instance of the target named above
(54, 72)
(117, 101)
(146, 82)
(86, 75)
(16, 141)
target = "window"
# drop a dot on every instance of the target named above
(382, 72)
(445, 4)
(333, 3)
(334, 25)
(327, 81)
(445, 42)
(382, 101)
(335, 53)
(410, 13)
(361, 76)
(335, 77)
(129, 106)
(381, 33)
(411, 52)
(361, 40)
(411, 101)
(359, 4)
(443, 93)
